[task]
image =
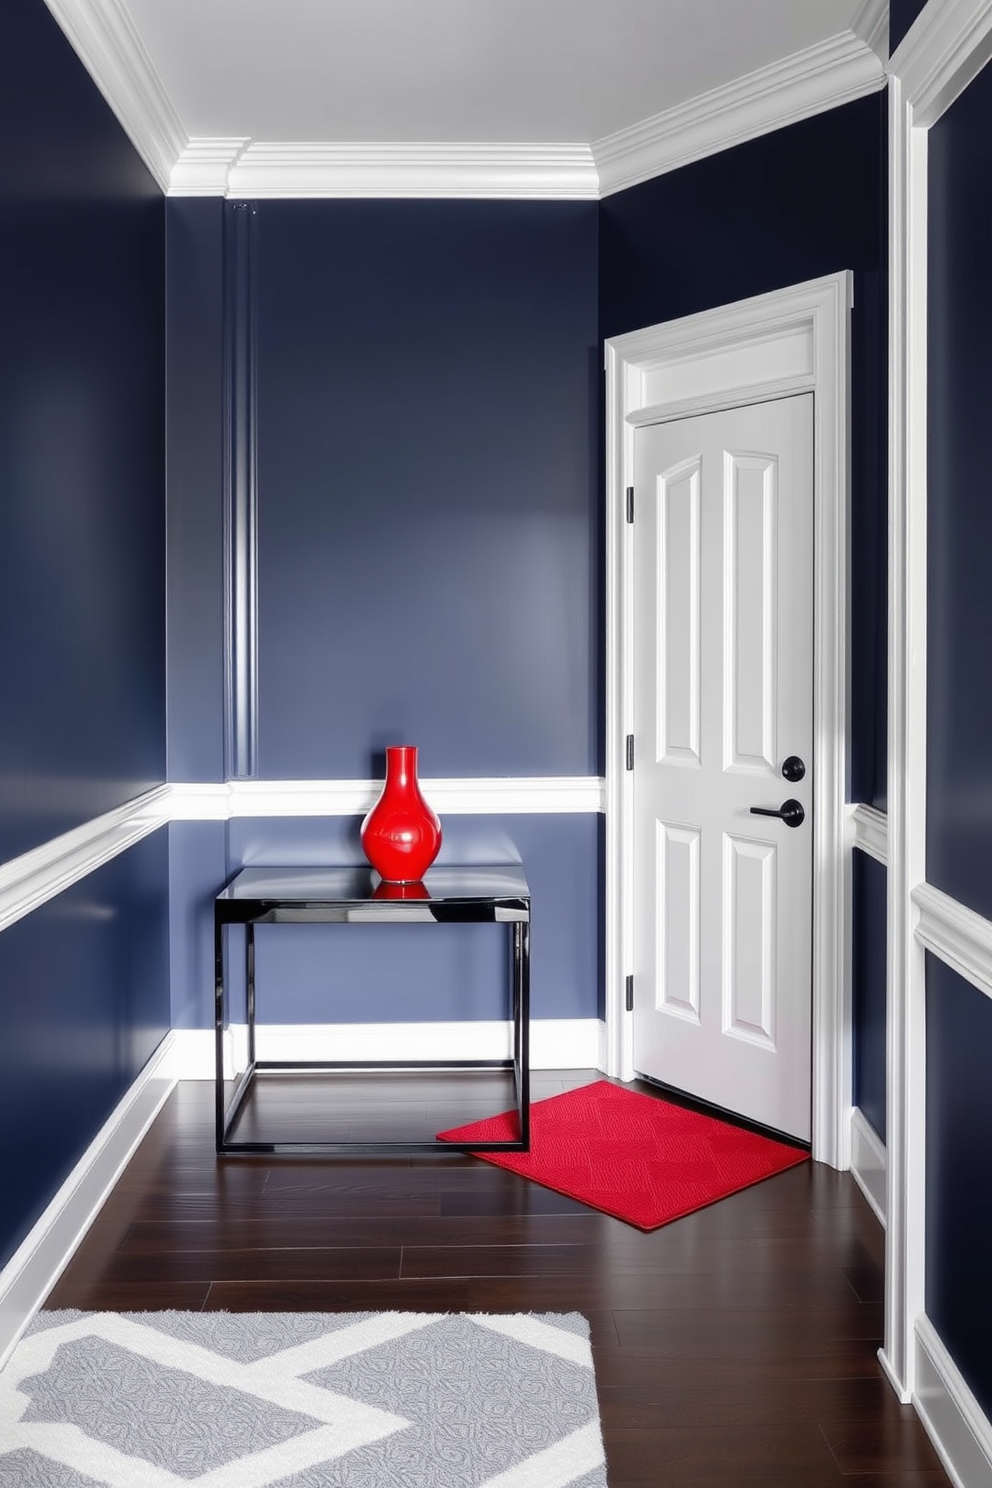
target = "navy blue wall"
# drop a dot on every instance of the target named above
(902, 14)
(82, 694)
(959, 440)
(868, 546)
(429, 560)
(85, 983)
(868, 974)
(196, 428)
(790, 206)
(429, 532)
(959, 1194)
(198, 866)
(85, 991)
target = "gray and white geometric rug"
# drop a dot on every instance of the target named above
(301, 1400)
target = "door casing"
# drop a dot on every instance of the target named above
(791, 340)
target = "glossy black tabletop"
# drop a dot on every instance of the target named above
(356, 892)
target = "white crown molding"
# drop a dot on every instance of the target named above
(326, 169)
(203, 167)
(871, 24)
(960, 937)
(28, 881)
(502, 796)
(943, 51)
(35, 1266)
(869, 1163)
(870, 832)
(833, 72)
(954, 1420)
(104, 38)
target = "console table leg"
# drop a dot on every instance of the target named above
(219, 1029)
(521, 1026)
(250, 990)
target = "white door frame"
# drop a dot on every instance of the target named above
(789, 341)
(944, 50)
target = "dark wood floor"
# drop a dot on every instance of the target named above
(736, 1347)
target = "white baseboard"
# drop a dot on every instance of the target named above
(869, 1162)
(555, 1043)
(955, 1422)
(37, 1263)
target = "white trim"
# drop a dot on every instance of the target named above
(960, 937)
(32, 879)
(944, 50)
(501, 795)
(829, 73)
(200, 801)
(821, 77)
(738, 397)
(870, 832)
(106, 41)
(770, 339)
(955, 1422)
(801, 332)
(871, 23)
(868, 1162)
(555, 1043)
(907, 583)
(37, 1263)
(904, 1396)
(325, 169)
(204, 165)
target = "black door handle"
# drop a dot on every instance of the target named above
(791, 812)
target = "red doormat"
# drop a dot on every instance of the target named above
(631, 1155)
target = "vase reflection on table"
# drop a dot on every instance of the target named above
(388, 889)
(401, 836)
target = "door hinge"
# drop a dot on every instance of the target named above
(630, 503)
(630, 751)
(630, 994)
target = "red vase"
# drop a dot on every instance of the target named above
(401, 835)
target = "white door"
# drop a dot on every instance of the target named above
(723, 703)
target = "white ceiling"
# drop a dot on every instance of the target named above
(509, 71)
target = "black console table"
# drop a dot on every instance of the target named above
(355, 895)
